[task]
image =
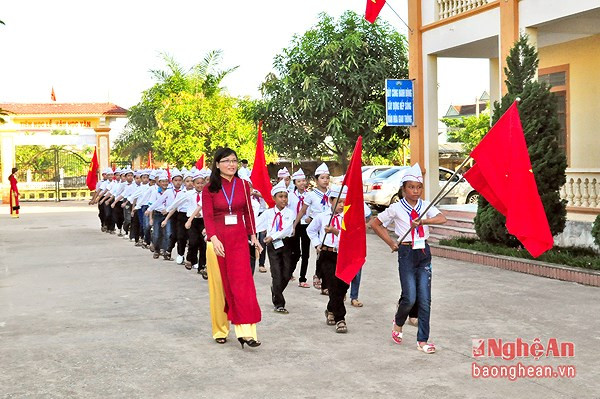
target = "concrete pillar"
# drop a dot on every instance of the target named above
(103, 147)
(495, 82)
(415, 71)
(7, 148)
(509, 32)
(430, 117)
(532, 39)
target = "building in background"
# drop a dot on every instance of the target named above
(567, 36)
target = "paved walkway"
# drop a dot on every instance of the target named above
(87, 315)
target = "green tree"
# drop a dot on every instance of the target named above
(328, 89)
(541, 127)
(186, 114)
(467, 130)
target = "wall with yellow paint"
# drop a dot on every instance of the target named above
(583, 58)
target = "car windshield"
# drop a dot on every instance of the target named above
(387, 173)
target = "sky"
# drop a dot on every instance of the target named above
(99, 51)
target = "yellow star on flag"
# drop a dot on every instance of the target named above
(346, 207)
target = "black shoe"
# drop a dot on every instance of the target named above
(250, 342)
(202, 271)
(220, 340)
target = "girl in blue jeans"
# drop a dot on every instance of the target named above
(414, 255)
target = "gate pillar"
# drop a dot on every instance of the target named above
(103, 146)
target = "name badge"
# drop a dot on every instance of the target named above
(230, 219)
(419, 243)
(277, 244)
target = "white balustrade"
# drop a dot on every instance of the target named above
(582, 189)
(450, 8)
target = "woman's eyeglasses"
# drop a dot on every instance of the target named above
(229, 161)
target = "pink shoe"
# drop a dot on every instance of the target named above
(397, 337)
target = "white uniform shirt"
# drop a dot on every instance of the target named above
(194, 200)
(277, 223)
(316, 229)
(128, 189)
(184, 201)
(145, 199)
(399, 213)
(295, 203)
(163, 202)
(244, 173)
(137, 195)
(316, 202)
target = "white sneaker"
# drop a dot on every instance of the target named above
(195, 266)
(179, 260)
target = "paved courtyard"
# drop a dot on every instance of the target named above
(87, 315)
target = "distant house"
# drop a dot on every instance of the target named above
(459, 111)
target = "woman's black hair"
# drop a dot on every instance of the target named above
(214, 184)
(14, 170)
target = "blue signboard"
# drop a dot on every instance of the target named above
(399, 109)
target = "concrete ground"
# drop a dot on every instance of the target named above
(87, 315)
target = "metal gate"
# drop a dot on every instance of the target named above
(55, 174)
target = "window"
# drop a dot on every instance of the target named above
(558, 79)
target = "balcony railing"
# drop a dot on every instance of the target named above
(582, 190)
(450, 8)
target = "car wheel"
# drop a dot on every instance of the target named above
(473, 198)
(394, 199)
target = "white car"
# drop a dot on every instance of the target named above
(384, 189)
(463, 193)
(368, 172)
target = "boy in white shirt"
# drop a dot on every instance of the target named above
(299, 241)
(196, 256)
(278, 222)
(324, 232)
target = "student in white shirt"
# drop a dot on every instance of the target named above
(284, 174)
(324, 232)
(196, 256)
(157, 210)
(99, 188)
(137, 216)
(244, 172)
(414, 255)
(300, 242)
(278, 222)
(316, 202)
(178, 210)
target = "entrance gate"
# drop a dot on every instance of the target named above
(55, 174)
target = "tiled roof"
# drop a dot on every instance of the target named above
(64, 108)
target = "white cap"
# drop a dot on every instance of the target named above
(194, 169)
(283, 172)
(278, 188)
(335, 192)
(118, 170)
(322, 169)
(176, 172)
(162, 176)
(198, 175)
(184, 170)
(144, 172)
(108, 171)
(299, 174)
(413, 174)
(124, 171)
(188, 174)
(152, 174)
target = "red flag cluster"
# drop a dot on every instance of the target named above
(503, 176)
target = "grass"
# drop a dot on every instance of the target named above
(585, 258)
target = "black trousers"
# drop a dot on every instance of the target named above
(337, 288)
(197, 246)
(180, 233)
(300, 244)
(136, 229)
(280, 260)
(101, 215)
(108, 217)
(118, 215)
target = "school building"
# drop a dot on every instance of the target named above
(53, 125)
(567, 36)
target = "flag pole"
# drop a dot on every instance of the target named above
(439, 195)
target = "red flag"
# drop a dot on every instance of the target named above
(200, 163)
(352, 250)
(150, 164)
(168, 172)
(503, 176)
(52, 95)
(373, 9)
(92, 176)
(260, 174)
